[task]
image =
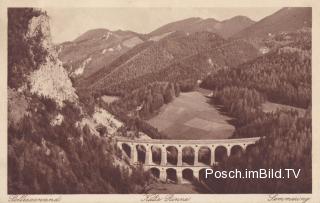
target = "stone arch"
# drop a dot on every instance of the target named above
(172, 155)
(236, 150)
(172, 175)
(202, 174)
(204, 155)
(141, 152)
(220, 153)
(156, 154)
(155, 172)
(187, 175)
(127, 149)
(188, 155)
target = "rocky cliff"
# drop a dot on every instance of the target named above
(51, 79)
(48, 151)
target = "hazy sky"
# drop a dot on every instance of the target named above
(69, 23)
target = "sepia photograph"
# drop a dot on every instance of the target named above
(159, 100)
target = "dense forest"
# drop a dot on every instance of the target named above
(241, 103)
(183, 70)
(159, 55)
(134, 108)
(286, 145)
(63, 159)
(282, 76)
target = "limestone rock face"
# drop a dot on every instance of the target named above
(39, 26)
(50, 79)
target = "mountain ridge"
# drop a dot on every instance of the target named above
(94, 49)
(180, 67)
(285, 19)
(224, 28)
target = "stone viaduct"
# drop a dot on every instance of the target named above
(181, 161)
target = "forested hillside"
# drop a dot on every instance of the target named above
(183, 70)
(95, 49)
(51, 147)
(107, 68)
(135, 107)
(283, 76)
(143, 78)
(158, 56)
(287, 145)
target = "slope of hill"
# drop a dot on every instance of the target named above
(107, 68)
(224, 28)
(181, 25)
(53, 144)
(284, 20)
(234, 25)
(101, 49)
(183, 71)
(95, 49)
(159, 55)
(283, 75)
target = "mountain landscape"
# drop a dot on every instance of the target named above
(95, 49)
(193, 79)
(188, 69)
(98, 48)
(225, 28)
(96, 53)
(284, 20)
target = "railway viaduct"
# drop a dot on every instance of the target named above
(181, 161)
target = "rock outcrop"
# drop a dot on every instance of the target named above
(51, 79)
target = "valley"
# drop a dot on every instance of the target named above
(191, 116)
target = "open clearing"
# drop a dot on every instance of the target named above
(273, 107)
(109, 99)
(190, 116)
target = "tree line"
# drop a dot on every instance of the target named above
(141, 104)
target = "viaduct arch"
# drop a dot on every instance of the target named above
(180, 170)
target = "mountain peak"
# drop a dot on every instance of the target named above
(91, 34)
(210, 20)
(240, 18)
